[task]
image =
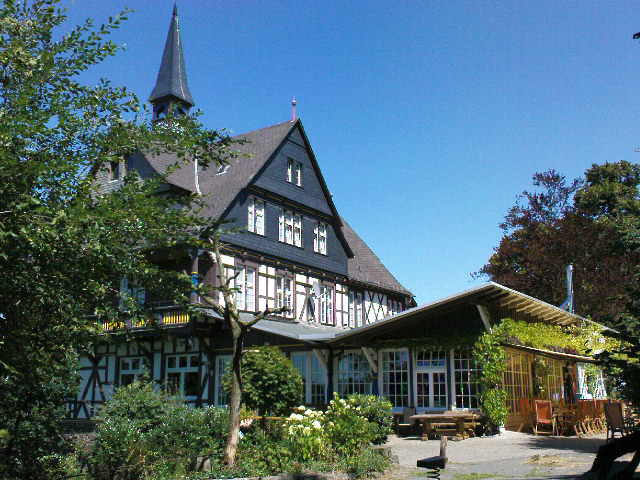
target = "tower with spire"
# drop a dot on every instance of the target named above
(171, 94)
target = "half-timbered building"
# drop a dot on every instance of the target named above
(351, 327)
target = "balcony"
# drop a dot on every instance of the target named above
(165, 315)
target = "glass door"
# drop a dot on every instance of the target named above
(431, 381)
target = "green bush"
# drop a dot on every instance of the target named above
(271, 383)
(365, 464)
(348, 431)
(142, 430)
(376, 410)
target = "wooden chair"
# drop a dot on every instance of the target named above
(406, 423)
(544, 417)
(527, 414)
(615, 419)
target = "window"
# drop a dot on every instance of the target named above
(290, 228)
(298, 174)
(294, 172)
(221, 397)
(255, 222)
(114, 171)
(182, 375)
(290, 170)
(320, 238)
(395, 377)
(354, 374)
(326, 304)
(517, 378)
(246, 288)
(314, 377)
(284, 294)
(131, 292)
(132, 367)
(351, 310)
(359, 319)
(550, 378)
(435, 358)
(465, 374)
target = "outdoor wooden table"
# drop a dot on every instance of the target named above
(565, 419)
(459, 423)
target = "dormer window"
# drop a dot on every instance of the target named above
(114, 171)
(320, 238)
(294, 172)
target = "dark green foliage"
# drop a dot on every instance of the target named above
(488, 353)
(365, 464)
(378, 411)
(143, 430)
(271, 383)
(64, 247)
(595, 225)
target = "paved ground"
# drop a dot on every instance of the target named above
(510, 455)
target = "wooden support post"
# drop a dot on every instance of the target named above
(485, 316)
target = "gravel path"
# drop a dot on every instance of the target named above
(510, 455)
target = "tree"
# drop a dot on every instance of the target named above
(575, 224)
(239, 328)
(271, 383)
(63, 245)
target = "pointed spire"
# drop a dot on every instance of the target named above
(293, 109)
(172, 77)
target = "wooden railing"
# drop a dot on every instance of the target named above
(164, 316)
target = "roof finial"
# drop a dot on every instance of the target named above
(293, 109)
(175, 9)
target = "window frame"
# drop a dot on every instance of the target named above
(256, 210)
(144, 366)
(183, 372)
(220, 368)
(320, 238)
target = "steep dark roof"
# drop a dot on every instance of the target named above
(365, 266)
(221, 189)
(172, 76)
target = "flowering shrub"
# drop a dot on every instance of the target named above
(306, 433)
(348, 429)
(376, 410)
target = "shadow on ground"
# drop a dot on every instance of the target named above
(575, 444)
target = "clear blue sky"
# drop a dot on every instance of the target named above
(427, 118)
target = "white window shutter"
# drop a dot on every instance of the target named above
(241, 289)
(281, 226)
(251, 215)
(259, 209)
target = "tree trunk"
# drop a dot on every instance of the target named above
(236, 398)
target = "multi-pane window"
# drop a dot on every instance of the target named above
(182, 374)
(326, 304)
(465, 372)
(395, 377)
(284, 294)
(245, 284)
(517, 378)
(433, 358)
(132, 367)
(318, 381)
(354, 374)
(320, 238)
(222, 362)
(255, 222)
(294, 172)
(551, 381)
(314, 377)
(355, 309)
(290, 228)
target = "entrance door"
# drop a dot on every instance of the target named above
(430, 381)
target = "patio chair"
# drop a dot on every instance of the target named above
(407, 423)
(615, 419)
(544, 418)
(527, 414)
